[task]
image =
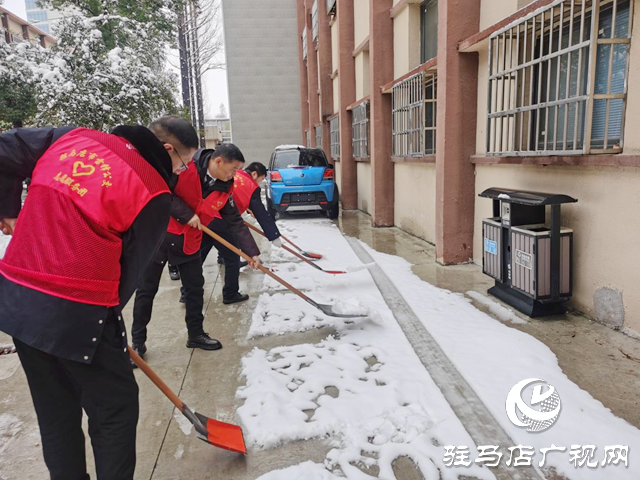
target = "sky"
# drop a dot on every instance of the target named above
(215, 84)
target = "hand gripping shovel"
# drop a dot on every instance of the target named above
(315, 256)
(306, 260)
(326, 309)
(218, 434)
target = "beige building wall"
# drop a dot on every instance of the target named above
(335, 48)
(336, 94)
(364, 186)
(406, 40)
(360, 21)
(415, 205)
(362, 74)
(337, 169)
(492, 11)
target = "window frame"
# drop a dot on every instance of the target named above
(424, 38)
(360, 117)
(334, 129)
(546, 39)
(318, 135)
(314, 20)
(304, 43)
(410, 126)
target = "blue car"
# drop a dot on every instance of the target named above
(301, 179)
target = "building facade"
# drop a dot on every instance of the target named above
(43, 18)
(262, 74)
(423, 105)
(15, 29)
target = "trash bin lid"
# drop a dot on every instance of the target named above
(526, 198)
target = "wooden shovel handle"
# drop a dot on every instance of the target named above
(283, 237)
(262, 268)
(292, 252)
(142, 365)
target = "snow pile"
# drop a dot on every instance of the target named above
(503, 313)
(363, 386)
(365, 389)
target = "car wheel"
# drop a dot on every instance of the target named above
(334, 211)
(272, 211)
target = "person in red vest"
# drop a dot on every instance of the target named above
(194, 203)
(97, 208)
(246, 195)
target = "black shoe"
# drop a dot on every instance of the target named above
(220, 261)
(140, 349)
(204, 342)
(174, 273)
(183, 298)
(243, 263)
(237, 298)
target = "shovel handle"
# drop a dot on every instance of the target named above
(142, 365)
(264, 270)
(292, 252)
(283, 237)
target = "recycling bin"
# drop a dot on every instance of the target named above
(530, 259)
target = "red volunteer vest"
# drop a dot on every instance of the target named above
(189, 190)
(243, 187)
(86, 191)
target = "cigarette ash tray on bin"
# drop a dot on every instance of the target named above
(531, 260)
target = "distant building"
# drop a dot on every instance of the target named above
(44, 19)
(224, 124)
(16, 30)
(263, 74)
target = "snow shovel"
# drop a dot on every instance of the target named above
(214, 432)
(315, 256)
(306, 260)
(326, 309)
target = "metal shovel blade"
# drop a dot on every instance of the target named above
(328, 310)
(216, 433)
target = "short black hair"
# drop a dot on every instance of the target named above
(257, 167)
(229, 152)
(172, 127)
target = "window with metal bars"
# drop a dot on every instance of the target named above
(304, 44)
(318, 130)
(334, 128)
(414, 107)
(558, 80)
(360, 124)
(314, 20)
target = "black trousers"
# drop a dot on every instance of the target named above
(193, 283)
(231, 260)
(107, 391)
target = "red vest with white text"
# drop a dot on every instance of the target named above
(189, 190)
(86, 191)
(243, 187)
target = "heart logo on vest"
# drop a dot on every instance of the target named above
(81, 170)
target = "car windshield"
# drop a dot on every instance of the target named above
(302, 158)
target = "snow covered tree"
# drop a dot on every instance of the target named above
(90, 80)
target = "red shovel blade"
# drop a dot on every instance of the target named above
(317, 256)
(221, 434)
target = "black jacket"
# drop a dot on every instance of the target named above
(54, 325)
(172, 246)
(263, 217)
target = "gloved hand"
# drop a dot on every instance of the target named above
(277, 242)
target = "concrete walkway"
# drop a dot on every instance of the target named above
(597, 359)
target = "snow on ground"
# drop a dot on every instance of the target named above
(4, 243)
(365, 389)
(503, 313)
